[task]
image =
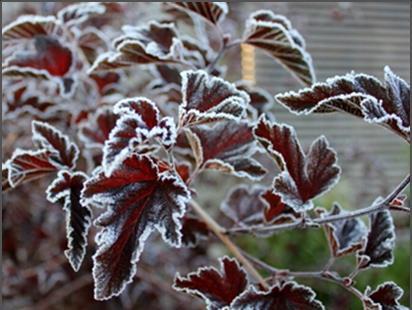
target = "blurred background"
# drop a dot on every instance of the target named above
(341, 37)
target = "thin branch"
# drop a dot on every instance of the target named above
(384, 204)
(219, 232)
(221, 52)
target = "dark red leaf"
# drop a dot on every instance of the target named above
(62, 151)
(360, 95)
(274, 34)
(207, 98)
(290, 295)
(153, 43)
(139, 200)
(67, 187)
(193, 229)
(95, 132)
(213, 12)
(227, 146)
(217, 289)
(275, 210)
(50, 56)
(385, 297)
(138, 123)
(25, 166)
(346, 236)
(378, 251)
(304, 177)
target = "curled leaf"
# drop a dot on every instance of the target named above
(213, 12)
(67, 187)
(385, 297)
(274, 34)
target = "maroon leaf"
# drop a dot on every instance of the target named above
(244, 206)
(345, 236)
(139, 122)
(217, 289)
(360, 95)
(95, 132)
(304, 177)
(50, 55)
(154, 43)
(139, 200)
(26, 166)
(213, 12)
(275, 211)
(68, 186)
(290, 295)
(167, 82)
(207, 98)
(227, 146)
(5, 184)
(385, 297)
(63, 153)
(378, 251)
(93, 43)
(193, 230)
(274, 34)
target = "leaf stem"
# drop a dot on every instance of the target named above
(219, 232)
(384, 204)
(221, 52)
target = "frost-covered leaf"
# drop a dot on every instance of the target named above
(345, 236)
(228, 146)
(63, 152)
(193, 230)
(138, 123)
(28, 27)
(289, 295)
(217, 289)
(378, 251)
(274, 34)
(167, 82)
(26, 165)
(260, 100)
(139, 200)
(155, 43)
(80, 12)
(211, 11)
(385, 297)
(5, 184)
(92, 42)
(360, 95)
(304, 176)
(67, 187)
(207, 98)
(95, 132)
(275, 210)
(51, 61)
(243, 205)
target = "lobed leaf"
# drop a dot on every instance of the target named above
(345, 236)
(67, 187)
(289, 295)
(274, 34)
(193, 230)
(217, 289)
(360, 95)
(139, 199)
(304, 176)
(385, 297)
(378, 251)
(139, 122)
(275, 210)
